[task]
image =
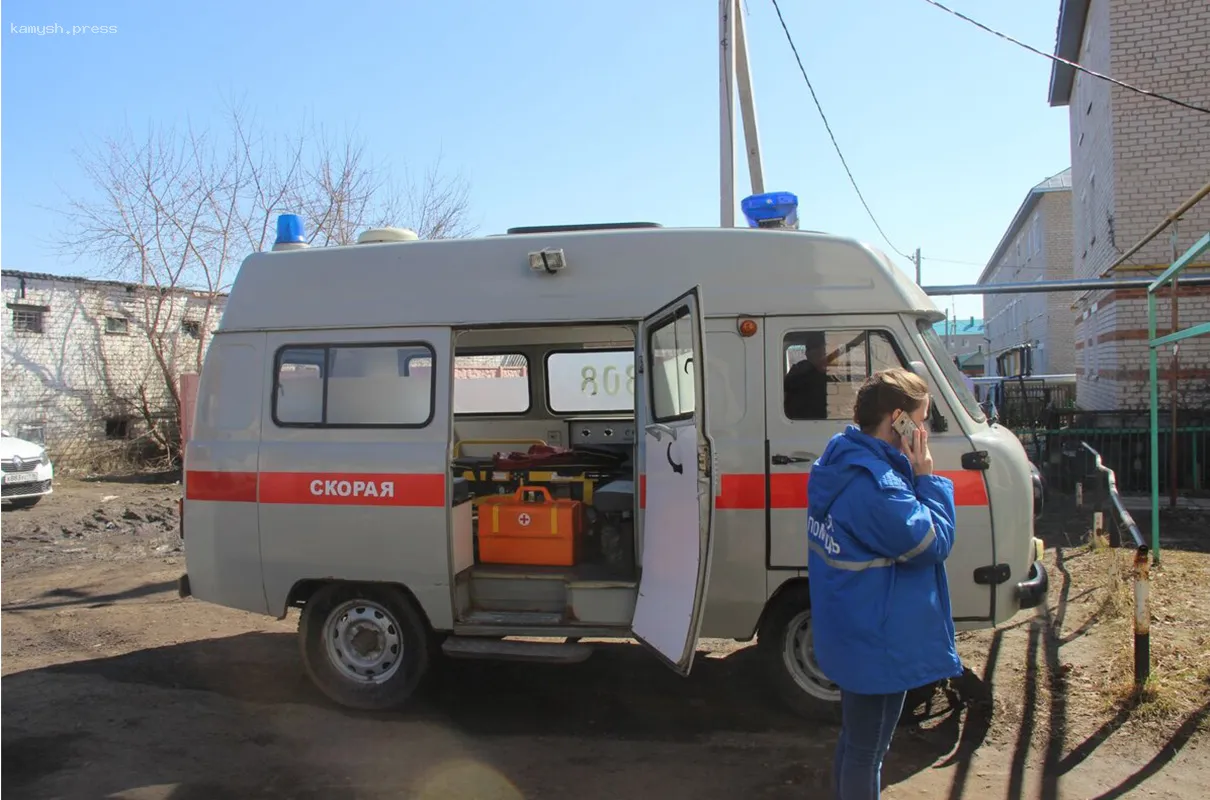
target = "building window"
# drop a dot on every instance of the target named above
(118, 326)
(191, 328)
(29, 319)
(824, 370)
(354, 386)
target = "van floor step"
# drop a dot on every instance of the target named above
(508, 650)
(513, 618)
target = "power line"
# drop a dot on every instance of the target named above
(1071, 64)
(953, 261)
(832, 136)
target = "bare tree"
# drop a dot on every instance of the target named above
(176, 212)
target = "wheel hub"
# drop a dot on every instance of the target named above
(799, 656)
(363, 641)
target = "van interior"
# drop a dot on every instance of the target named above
(544, 408)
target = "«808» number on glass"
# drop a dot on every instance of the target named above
(611, 381)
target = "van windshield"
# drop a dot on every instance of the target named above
(953, 375)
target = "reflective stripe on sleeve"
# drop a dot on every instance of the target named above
(925, 543)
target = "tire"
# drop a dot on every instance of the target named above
(25, 502)
(348, 634)
(784, 644)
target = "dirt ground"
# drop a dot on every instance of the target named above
(114, 687)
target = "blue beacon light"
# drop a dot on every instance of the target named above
(771, 210)
(290, 229)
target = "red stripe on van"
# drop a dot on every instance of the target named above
(224, 487)
(969, 487)
(738, 491)
(788, 490)
(353, 489)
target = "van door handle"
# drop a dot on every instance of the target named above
(782, 460)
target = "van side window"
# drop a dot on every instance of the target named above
(354, 386)
(672, 381)
(824, 370)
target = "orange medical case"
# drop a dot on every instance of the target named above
(538, 532)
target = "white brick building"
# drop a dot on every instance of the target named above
(1134, 160)
(79, 370)
(1036, 246)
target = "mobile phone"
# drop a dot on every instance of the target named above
(904, 425)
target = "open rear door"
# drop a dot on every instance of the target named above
(679, 474)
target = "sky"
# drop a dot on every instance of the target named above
(562, 112)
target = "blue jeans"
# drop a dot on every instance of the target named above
(868, 724)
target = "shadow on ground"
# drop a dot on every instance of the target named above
(68, 597)
(620, 694)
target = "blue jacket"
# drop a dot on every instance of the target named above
(878, 538)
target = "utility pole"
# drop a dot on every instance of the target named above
(917, 260)
(726, 93)
(735, 74)
(747, 107)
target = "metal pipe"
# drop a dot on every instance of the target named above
(1122, 515)
(1142, 618)
(1043, 287)
(1154, 422)
(1173, 389)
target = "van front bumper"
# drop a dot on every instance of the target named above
(1031, 592)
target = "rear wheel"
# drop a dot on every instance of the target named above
(365, 646)
(788, 654)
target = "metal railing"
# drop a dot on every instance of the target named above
(1123, 523)
(1154, 343)
(1125, 449)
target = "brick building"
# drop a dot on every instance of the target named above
(79, 371)
(1134, 160)
(1036, 246)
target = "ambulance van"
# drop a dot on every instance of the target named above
(512, 446)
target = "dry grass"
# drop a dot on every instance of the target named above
(1180, 637)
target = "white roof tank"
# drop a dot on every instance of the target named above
(379, 235)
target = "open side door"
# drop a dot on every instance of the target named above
(679, 481)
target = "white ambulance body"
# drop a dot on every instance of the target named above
(328, 463)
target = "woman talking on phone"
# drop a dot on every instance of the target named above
(880, 525)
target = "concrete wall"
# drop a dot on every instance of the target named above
(81, 376)
(1134, 160)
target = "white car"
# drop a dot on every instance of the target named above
(27, 472)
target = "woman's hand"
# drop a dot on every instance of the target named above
(917, 449)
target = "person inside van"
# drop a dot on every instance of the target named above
(880, 526)
(806, 384)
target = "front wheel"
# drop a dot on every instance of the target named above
(364, 646)
(788, 654)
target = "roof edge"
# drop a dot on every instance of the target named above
(77, 279)
(1073, 15)
(1031, 199)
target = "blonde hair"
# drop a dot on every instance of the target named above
(884, 392)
